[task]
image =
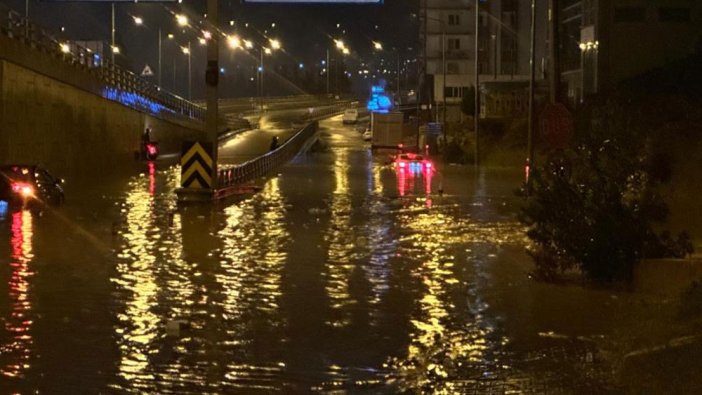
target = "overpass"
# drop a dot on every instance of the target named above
(70, 109)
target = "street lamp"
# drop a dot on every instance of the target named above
(275, 44)
(182, 20)
(234, 42)
(138, 20)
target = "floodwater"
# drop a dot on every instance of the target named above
(342, 275)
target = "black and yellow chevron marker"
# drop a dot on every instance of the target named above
(196, 165)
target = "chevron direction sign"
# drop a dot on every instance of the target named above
(196, 165)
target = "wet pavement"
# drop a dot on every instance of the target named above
(342, 275)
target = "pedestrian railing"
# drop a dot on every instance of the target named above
(235, 175)
(122, 85)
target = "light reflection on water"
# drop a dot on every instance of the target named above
(16, 350)
(339, 275)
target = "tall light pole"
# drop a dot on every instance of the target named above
(26, 18)
(113, 46)
(532, 76)
(212, 80)
(443, 60)
(159, 56)
(187, 50)
(476, 117)
(328, 68)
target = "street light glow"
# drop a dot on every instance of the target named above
(248, 44)
(345, 51)
(138, 20)
(115, 49)
(202, 41)
(377, 45)
(65, 48)
(234, 42)
(340, 44)
(170, 36)
(267, 50)
(275, 44)
(185, 50)
(182, 20)
(207, 35)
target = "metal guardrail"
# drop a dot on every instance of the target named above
(228, 176)
(234, 175)
(128, 88)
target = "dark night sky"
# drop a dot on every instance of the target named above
(304, 30)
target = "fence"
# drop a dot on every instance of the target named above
(128, 88)
(228, 176)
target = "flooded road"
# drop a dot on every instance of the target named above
(342, 275)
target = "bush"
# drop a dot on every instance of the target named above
(594, 206)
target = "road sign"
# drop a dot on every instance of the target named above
(147, 72)
(196, 165)
(557, 125)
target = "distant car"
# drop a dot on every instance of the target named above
(367, 135)
(29, 185)
(350, 116)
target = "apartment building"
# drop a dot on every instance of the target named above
(447, 35)
(604, 42)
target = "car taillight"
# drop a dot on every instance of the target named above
(22, 188)
(151, 148)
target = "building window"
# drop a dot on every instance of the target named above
(454, 91)
(452, 68)
(454, 43)
(454, 20)
(629, 14)
(674, 14)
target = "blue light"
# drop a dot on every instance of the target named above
(324, 62)
(379, 101)
(221, 70)
(302, 66)
(260, 69)
(3, 208)
(134, 100)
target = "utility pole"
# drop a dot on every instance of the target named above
(328, 71)
(112, 49)
(159, 56)
(476, 117)
(398, 77)
(532, 76)
(554, 70)
(26, 18)
(190, 74)
(443, 94)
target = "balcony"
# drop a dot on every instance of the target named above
(451, 54)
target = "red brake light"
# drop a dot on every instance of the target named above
(22, 188)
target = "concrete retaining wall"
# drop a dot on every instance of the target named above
(46, 121)
(53, 112)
